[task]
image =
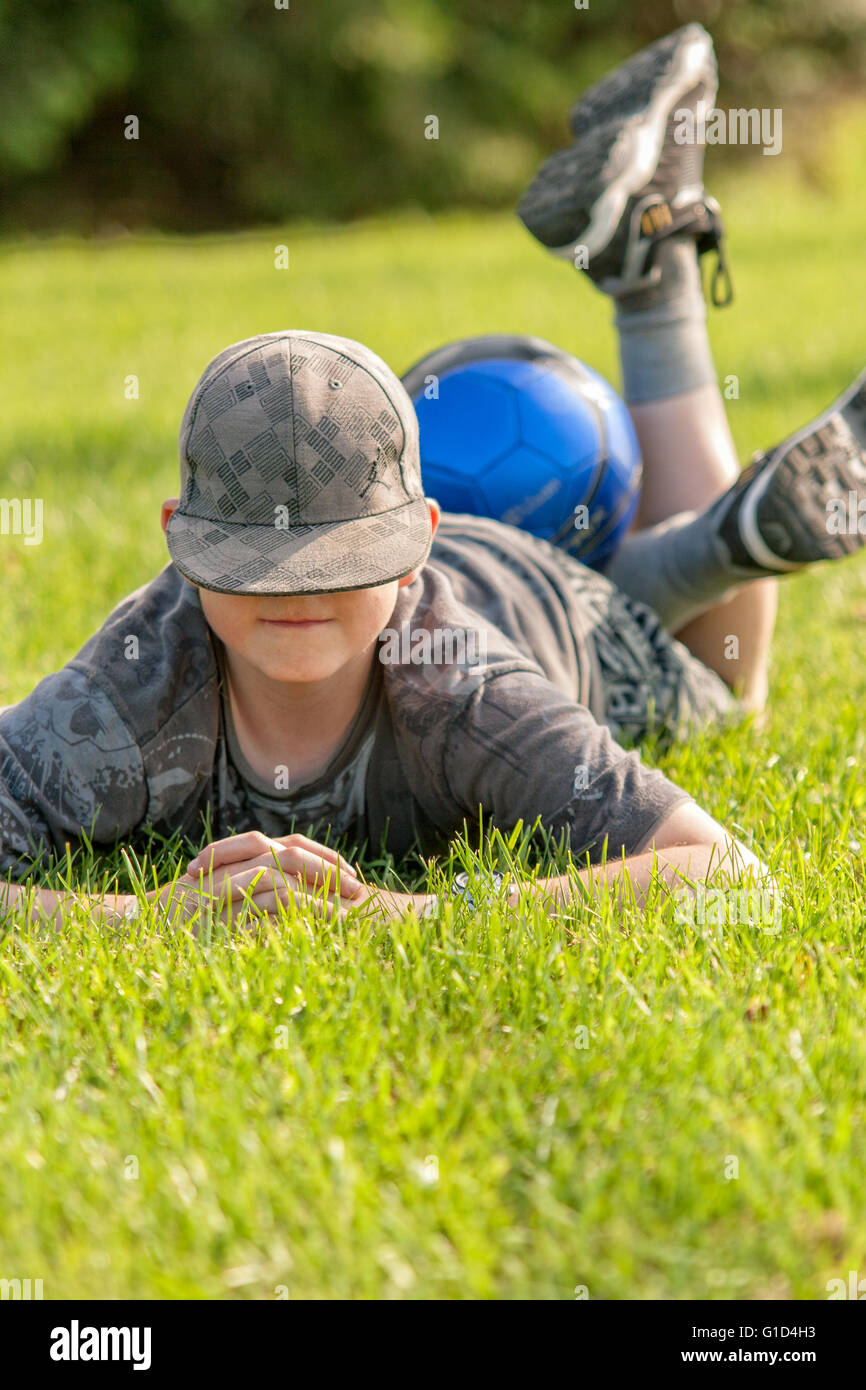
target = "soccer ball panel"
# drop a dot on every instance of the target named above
(474, 418)
(528, 435)
(526, 490)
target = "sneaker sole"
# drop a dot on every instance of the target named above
(628, 89)
(642, 138)
(824, 462)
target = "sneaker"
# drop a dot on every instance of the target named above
(805, 500)
(607, 201)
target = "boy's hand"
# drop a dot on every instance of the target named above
(298, 857)
(252, 870)
(258, 891)
(252, 867)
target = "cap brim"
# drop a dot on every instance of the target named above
(329, 557)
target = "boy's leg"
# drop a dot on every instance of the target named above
(689, 460)
(709, 531)
(794, 506)
(627, 204)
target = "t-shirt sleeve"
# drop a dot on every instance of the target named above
(521, 750)
(67, 763)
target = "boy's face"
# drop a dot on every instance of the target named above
(305, 637)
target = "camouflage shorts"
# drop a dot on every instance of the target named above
(642, 680)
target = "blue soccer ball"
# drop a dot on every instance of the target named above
(516, 429)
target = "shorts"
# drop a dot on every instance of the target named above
(642, 680)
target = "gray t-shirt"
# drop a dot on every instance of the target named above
(483, 705)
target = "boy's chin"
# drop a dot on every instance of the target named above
(301, 669)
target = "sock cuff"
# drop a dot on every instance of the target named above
(684, 308)
(664, 359)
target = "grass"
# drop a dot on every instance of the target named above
(471, 1106)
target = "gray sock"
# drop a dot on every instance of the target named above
(679, 567)
(663, 344)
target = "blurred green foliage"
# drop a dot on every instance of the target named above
(250, 113)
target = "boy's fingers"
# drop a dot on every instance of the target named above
(229, 851)
(296, 854)
(256, 890)
(294, 863)
(321, 851)
(261, 879)
(262, 890)
(309, 865)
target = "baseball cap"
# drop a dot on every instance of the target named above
(300, 470)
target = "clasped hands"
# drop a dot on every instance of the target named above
(254, 874)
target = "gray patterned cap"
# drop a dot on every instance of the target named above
(300, 471)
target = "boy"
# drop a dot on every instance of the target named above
(302, 543)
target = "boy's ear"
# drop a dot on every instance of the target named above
(169, 505)
(435, 514)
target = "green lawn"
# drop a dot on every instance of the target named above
(470, 1106)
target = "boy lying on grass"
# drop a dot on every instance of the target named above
(261, 678)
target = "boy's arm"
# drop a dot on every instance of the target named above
(51, 905)
(68, 763)
(523, 751)
(687, 849)
(313, 870)
(113, 909)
